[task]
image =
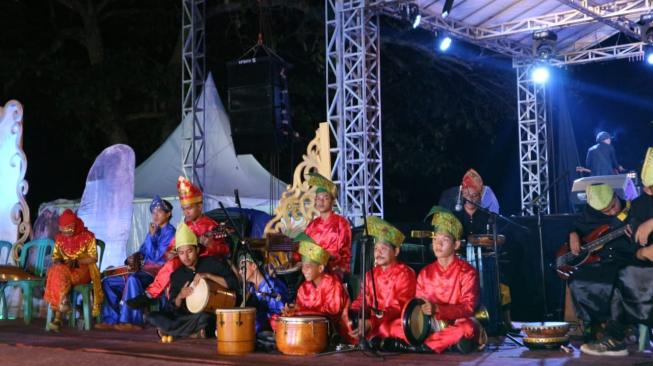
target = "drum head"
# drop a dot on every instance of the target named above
(302, 319)
(199, 298)
(416, 324)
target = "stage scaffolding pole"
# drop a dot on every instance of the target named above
(193, 75)
(353, 92)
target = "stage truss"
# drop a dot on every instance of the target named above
(193, 75)
(353, 83)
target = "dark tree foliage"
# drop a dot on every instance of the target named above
(92, 73)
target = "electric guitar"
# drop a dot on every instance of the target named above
(567, 263)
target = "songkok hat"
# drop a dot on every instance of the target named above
(601, 136)
(311, 251)
(444, 222)
(188, 193)
(184, 236)
(162, 204)
(322, 183)
(599, 195)
(647, 169)
(472, 180)
(384, 232)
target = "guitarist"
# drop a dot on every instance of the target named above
(631, 302)
(592, 284)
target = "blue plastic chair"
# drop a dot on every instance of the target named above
(5, 245)
(42, 249)
(85, 291)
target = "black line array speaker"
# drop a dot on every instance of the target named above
(258, 104)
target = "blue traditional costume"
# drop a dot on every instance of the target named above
(269, 298)
(120, 288)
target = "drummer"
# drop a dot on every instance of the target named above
(115, 313)
(393, 287)
(176, 321)
(321, 293)
(330, 230)
(267, 294)
(449, 288)
(190, 197)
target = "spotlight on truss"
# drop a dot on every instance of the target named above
(446, 9)
(540, 74)
(646, 28)
(648, 55)
(412, 14)
(544, 43)
(444, 43)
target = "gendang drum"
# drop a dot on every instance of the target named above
(235, 330)
(301, 335)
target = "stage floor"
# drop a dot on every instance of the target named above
(31, 345)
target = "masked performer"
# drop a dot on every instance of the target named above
(74, 260)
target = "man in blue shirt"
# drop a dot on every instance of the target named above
(145, 264)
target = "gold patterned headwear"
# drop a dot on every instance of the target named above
(444, 222)
(647, 169)
(311, 251)
(599, 196)
(188, 193)
(184, 236)
(472, 180)
(384, 232)
(322, 183)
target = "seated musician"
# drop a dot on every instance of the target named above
(74, 259)
(631, 302)
(330, 230)
(591, 286)
(150, 256)
(475, 221)
(321, 293)
(190, 198)
(176, 321)
(393, 287)
(449, 288)
(267, 294)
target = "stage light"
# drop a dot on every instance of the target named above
(540, 74)
(413, 15)
(446, 9)
(544, 44)
(648, 54)
(444, 43)
(649, 58)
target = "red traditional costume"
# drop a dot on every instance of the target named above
(395, 286)
(216, 247)
(61, 277)
(454, 292)
(328, 298)
(334, 235)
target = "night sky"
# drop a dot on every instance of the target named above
(64, 97)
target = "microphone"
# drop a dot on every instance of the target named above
(459, 201)
(237, 197)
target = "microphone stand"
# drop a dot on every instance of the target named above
(243, 246)
(493, 221)
(537, 203)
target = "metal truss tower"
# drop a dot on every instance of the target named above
(193, 74)
(533, 142)
(353, 94)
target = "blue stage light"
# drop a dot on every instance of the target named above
(540, 74)
(418, 19)
(649, 58)
(445, 43)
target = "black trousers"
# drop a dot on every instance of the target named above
(178, 324)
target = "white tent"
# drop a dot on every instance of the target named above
(225, 171)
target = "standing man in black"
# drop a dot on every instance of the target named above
(601, 158)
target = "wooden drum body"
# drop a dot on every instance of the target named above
(209, 296)
(235, 330)
(302, 335)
